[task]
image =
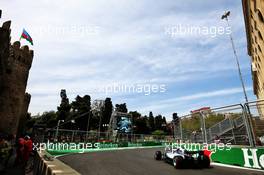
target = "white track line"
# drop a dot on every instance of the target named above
(236, 167)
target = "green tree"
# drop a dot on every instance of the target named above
(192, 123)
(107, 111)
(81, 109)
(164, 124)
(212, 119)
(139, 122)
(121, 107)
(64, 109)
(135, 115)
(151, 121)
(158, 122)
(49, 118)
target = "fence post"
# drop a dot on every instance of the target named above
(210, 133)
(202, 115)
(233, 134)
(246, 122)
(72, 136)
(249, 121)
(174, 129)
(180, 128)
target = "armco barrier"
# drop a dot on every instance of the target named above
(45, 165)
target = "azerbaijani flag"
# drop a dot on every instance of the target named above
(26, 36)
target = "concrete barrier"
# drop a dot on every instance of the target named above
(45, 164)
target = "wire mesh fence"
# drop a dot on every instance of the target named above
(235, 124)
(256, 120)
(63, 135)
(214, 125)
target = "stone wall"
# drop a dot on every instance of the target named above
(15, 63)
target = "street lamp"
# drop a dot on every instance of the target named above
(225, 16)
(97, 108)
(57, 130)
(247, 122)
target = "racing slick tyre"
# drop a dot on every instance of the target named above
(158, 155)
(204, 161)
(177, 162)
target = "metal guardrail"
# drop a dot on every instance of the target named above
(220, 128)
(237, 126)
(238, 121)
(229, 129)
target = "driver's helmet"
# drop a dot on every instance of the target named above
(168, 149)
(179, 151)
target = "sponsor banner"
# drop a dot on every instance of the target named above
(232, 155)
(245, 157)
(56, 149)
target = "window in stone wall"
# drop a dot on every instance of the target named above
(260, 16)
(259, 49)
(260, 36)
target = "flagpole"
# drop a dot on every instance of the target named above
(21, 34)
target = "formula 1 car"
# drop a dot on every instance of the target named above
(181, 158)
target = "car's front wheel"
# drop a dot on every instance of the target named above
(177, 162)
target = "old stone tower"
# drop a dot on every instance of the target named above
(15, 63)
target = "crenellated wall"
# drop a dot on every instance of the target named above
(15, 63)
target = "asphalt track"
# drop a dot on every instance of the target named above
(137, 162)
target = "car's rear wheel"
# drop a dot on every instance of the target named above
(177, 162)
(158, 155)
(204, 161)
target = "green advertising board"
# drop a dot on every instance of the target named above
(245, 157)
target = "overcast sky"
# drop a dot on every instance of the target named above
(86, 46)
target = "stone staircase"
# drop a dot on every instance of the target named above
(258, 125)
(230, 131)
